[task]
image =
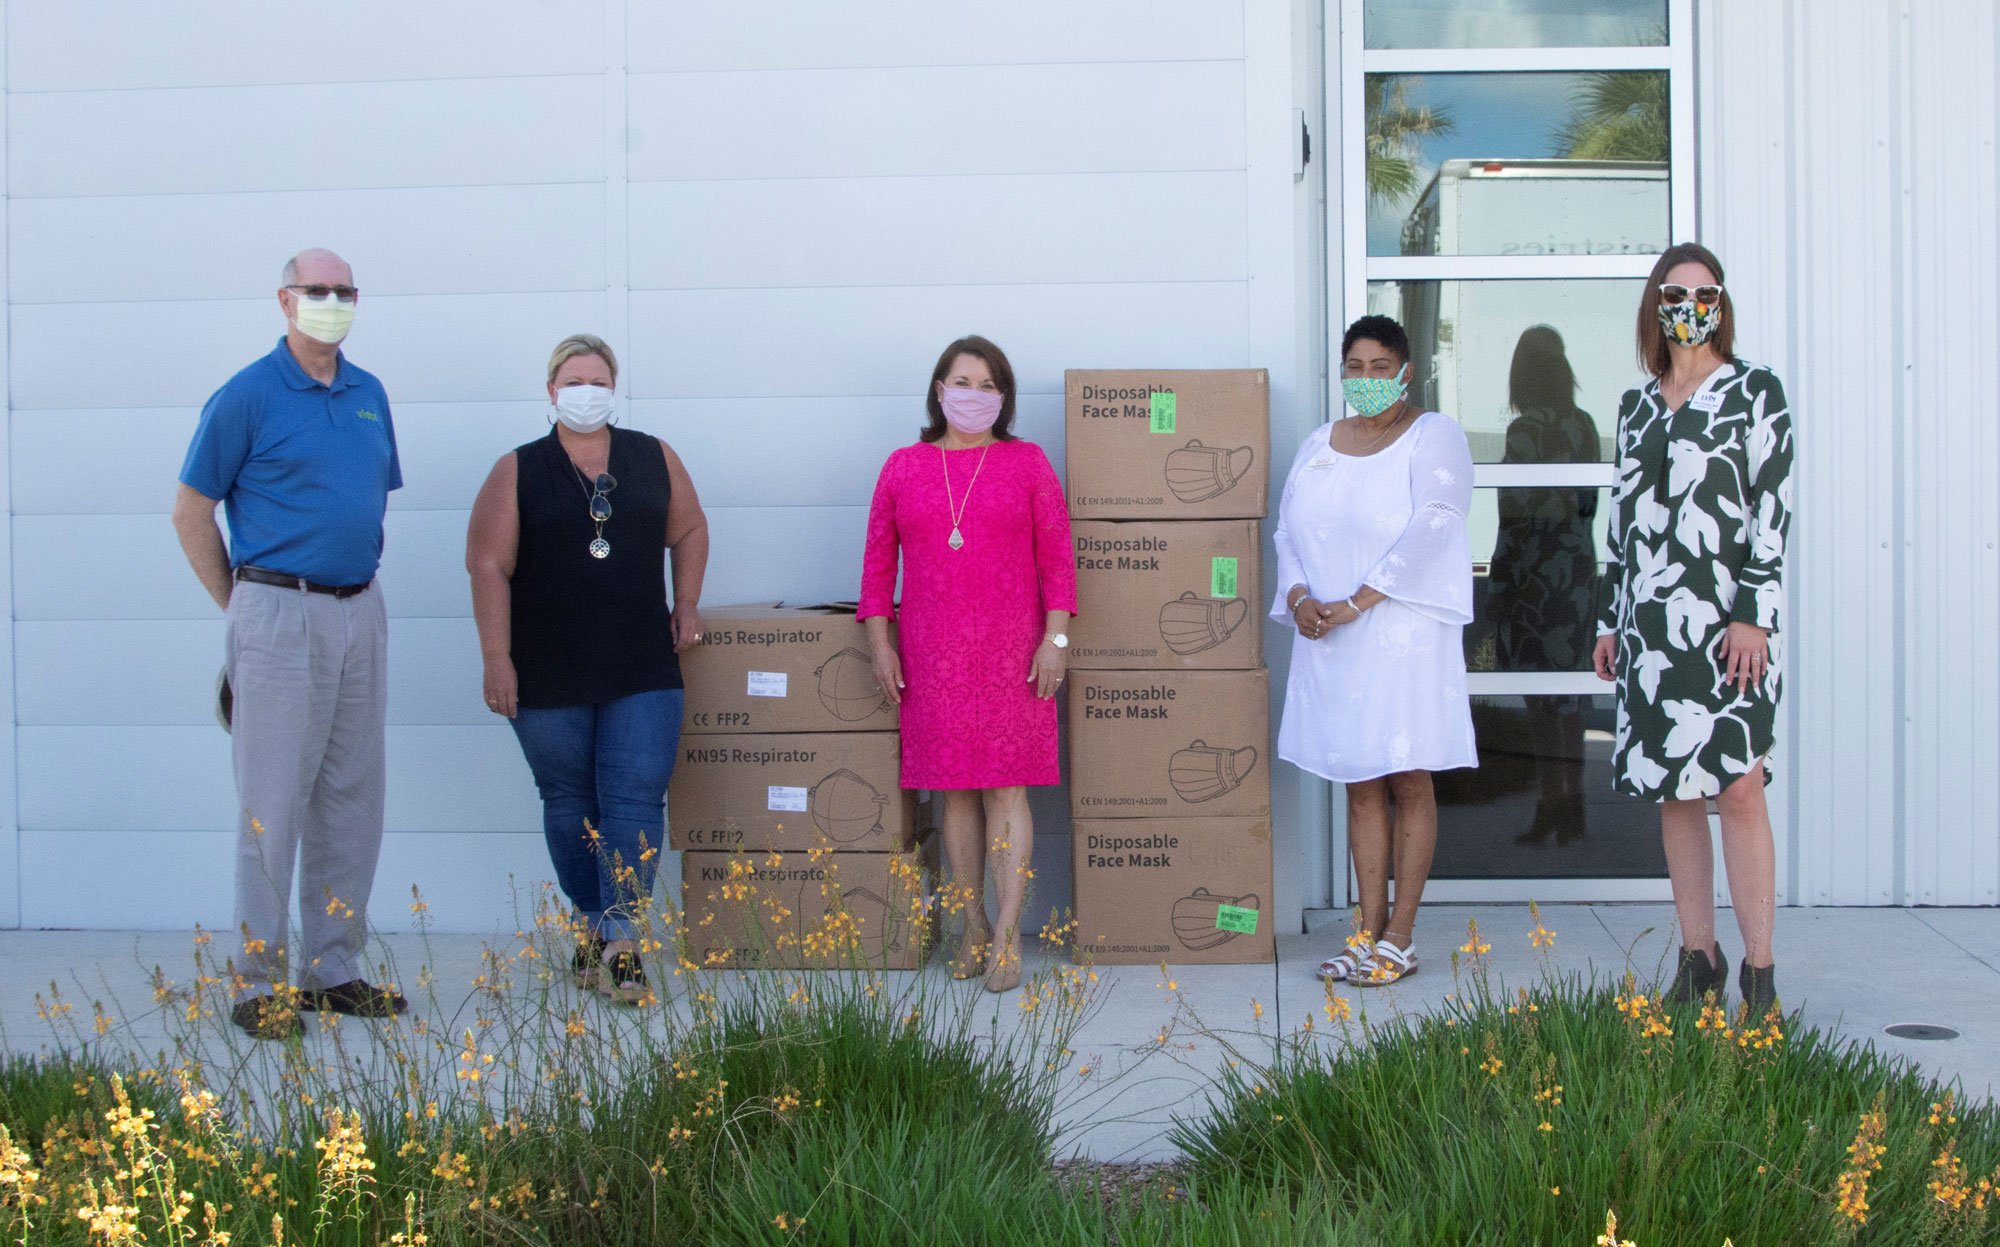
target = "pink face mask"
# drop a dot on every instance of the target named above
(971, 412)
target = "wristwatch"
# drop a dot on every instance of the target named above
(1058, 639)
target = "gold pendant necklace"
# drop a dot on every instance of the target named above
(957, 509)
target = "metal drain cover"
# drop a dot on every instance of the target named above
(1920, 1030)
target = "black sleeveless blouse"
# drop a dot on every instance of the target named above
(590, 630)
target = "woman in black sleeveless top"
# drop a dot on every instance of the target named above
(581, 647)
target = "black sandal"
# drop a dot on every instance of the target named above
(589, 957)
(623, 978)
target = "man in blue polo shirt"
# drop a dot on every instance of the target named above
(299, 449)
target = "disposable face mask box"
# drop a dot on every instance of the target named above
(1167, 595)
(1184, 891)
(1169, 744)
(766, 669)
(779, 911)
(1167, 444)
(794, 791)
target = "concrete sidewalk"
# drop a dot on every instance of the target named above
(1852, 971)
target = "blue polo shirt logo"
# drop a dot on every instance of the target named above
(303, 482)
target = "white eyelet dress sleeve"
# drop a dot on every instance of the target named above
(1387, 692)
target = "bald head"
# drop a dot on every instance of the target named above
(316, 266)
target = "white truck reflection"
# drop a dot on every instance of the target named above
(1462, 333)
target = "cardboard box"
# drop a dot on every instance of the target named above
(762, 669)
(771, 911)
(1153, 890)
(1169, 744)
(790, 792)
(1168, 444)
(1163, 595)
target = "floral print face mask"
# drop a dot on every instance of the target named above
(1371, 396)
(1690, 322)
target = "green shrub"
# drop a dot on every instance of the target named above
(1517, 1121)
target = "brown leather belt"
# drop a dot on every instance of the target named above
(259, 576)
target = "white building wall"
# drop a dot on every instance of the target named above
(778, 221)
(1848, 181)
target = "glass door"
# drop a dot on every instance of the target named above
(1511, 169)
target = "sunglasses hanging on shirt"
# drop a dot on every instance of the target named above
(600, 508)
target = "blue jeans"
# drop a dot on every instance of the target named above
(607, 766)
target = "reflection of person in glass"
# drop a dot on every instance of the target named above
(1542, 589)
(1692, 586)
(1376, 575)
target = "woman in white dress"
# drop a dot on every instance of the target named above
(1375, 573)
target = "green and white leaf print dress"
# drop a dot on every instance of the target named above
(1699, 514)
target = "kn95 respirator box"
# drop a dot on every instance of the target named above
(765, 669)
(1169, 744)
(1167, 444)
(794, 791)
(1184, 891)
(1163, 594)
(820, 910)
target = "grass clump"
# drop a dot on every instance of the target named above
(1518, 1119)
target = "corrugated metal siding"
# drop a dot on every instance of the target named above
(1849, 183)
(777, 221)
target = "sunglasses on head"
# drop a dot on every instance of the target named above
(1708, 295)
(344, 293)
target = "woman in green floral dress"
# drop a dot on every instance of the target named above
(1689, 609)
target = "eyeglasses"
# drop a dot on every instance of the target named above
(1708, 296)
(344, 293)
(600, 506)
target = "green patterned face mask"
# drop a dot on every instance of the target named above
(1371, 396)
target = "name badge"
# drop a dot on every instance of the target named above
(1709, 401)
(1315, 465)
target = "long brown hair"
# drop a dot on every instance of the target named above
(1654, 355)
(1003, 376)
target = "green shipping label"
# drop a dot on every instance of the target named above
(1163, 412)
(1221, 577)
(1236, 918)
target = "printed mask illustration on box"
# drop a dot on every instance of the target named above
(1195, 916)
(847, 686)
(1191, 624)
(1202, 772)
(846, 807)
(1197, 473)
(866, 908)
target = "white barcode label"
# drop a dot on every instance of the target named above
(766, 684)
(781, 798)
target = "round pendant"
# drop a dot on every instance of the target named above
(957, 542)
(600, 548)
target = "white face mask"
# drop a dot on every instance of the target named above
(584, 408)
(326, 320)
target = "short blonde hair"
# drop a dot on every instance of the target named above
(578, 344)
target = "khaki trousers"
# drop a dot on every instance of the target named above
(310, 677)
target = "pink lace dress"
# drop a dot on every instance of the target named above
(970, 619)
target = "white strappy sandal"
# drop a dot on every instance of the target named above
(1390, 964)
(1351, 964)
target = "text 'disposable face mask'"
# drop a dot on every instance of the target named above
(1690, 323)
(325, 319)
(1371, 396)
(585, 408)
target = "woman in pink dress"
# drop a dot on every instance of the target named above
(979, 520)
